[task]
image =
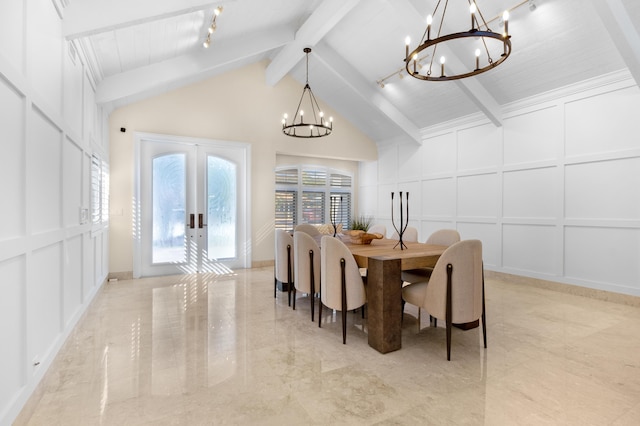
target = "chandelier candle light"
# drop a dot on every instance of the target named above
(403, 225)
(316, 126)
(479, 37)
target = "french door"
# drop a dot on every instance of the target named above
(192, 206)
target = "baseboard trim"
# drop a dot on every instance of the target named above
(120, 276)
(624, 299)
(262, 263)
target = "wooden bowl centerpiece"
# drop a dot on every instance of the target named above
(359, 236)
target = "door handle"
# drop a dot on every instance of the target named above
(201, 221)
(192, 221)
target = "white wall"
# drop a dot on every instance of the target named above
(49, 267)
(553, 194)
(236, 106)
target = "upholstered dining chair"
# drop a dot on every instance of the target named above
(341, 286)
(444, 237)
(441, 237)
(378, 229)
(284, 260)
(306, 267)
(308, 229)
(410, 235)
(455, 290)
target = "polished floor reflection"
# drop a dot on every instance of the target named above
(206, 349)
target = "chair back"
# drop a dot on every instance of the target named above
(466, 278)
(303, 243)
(283, 239)
(444, 237)
(378, 229)
(410, 235)
(308, 229)
(332, 251)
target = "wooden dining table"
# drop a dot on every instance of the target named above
(385, 262)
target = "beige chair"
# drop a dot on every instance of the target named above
(444, 237)
(284, 261)
(455, 290)
(410, 235)
(441, 237)
(378, 229)
(306, 266)
(308, 229)
(342, 287)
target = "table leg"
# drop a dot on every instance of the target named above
(384, 304)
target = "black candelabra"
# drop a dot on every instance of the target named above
(336, 208)
(403, 224)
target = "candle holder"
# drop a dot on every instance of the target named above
(403, 224)
(334, 210)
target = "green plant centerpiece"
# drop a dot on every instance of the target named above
(360, 223)
(358, 228)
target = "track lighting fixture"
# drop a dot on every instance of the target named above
(212, 28)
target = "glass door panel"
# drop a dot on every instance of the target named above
(169, 198)
(221, 208)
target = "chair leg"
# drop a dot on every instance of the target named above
(484, 317)
(344, 302)
(312, 281)
(289, 274)
(419, 319)
(449, 313)
(275, 286)
(344, 327)
(294, 298)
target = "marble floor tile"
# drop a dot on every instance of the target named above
(208, 349)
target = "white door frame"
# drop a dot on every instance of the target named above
(244, 207)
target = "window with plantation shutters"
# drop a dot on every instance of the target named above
(314, 178)
(340, 210)
(313, 207)
(286, 209)
(104, 196)
(311, 194)
(287, 176)
(99, 191)
(340, 181)
(96, 189)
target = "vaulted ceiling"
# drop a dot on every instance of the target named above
(143, 48)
